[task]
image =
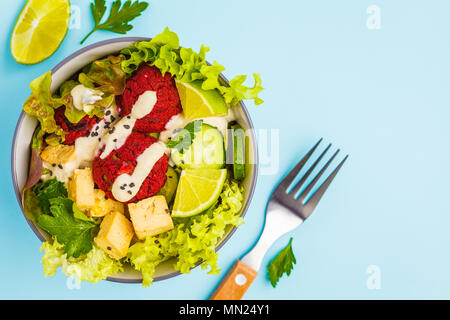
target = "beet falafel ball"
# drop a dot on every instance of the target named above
(124, 160)
(168, 101)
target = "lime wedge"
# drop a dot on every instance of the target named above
(198, 103)
(39, 30)
(197, 190)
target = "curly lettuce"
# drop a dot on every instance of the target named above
(164, 52)
(41, 104)
(192, 240)
(92, 267)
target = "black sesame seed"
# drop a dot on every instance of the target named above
(129, 192)
(93, 134)
(170, 177)
(115, 140)
(124, 185)
(136, 201)
(51, 173)
(112, 130)
(113, 119)
(54, 165)
(88, 134)
(60, 166)
(99, 139)
(132, 184)
(96, 128)
(109, 248)
(122, 188)
(182, 161)
(126, 126)
(167, 210)
(128, 117)
(108, 113)
(106, 197)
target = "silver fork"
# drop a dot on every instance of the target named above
(285, 212)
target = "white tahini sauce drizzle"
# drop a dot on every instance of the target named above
(126, 186)
(116, 137)
(86, 147)
(83, 98)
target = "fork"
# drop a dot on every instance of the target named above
(284, 212)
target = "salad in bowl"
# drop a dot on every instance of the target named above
(140, 161)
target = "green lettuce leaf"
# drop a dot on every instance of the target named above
(31, 205)
(105, 75)
(41, 104)
(92, 267)
(186, 65)
(38, 139)
(192, 240)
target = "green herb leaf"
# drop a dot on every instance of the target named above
(119, 16)
(184, 138)
(45, 191)
(75, 234)
(282, 263)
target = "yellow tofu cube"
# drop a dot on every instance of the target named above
(103, 205)
(59, 154)
(150, 217)
(115, 235)
(81, 188)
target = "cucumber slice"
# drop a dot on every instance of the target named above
(206, 152)
(169, 188)
(238, 152)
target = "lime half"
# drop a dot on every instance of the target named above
(197, 190)
(198, 103)
(39, 30)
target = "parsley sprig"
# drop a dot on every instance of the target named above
(282, 263)
(119, 16)
(60, 216)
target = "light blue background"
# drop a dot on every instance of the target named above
(380, 95)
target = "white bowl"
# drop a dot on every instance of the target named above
(26, 125)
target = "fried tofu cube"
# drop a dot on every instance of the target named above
(150, 217)
(103, 205)
(81, 188)
(115, 235)
(59, 154)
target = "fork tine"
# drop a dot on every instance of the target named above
(286, 182)
(315, 198)
(308, 189)
(307, 174)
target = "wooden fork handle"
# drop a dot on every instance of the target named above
(235, 283)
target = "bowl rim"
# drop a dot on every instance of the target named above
(23, 115)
